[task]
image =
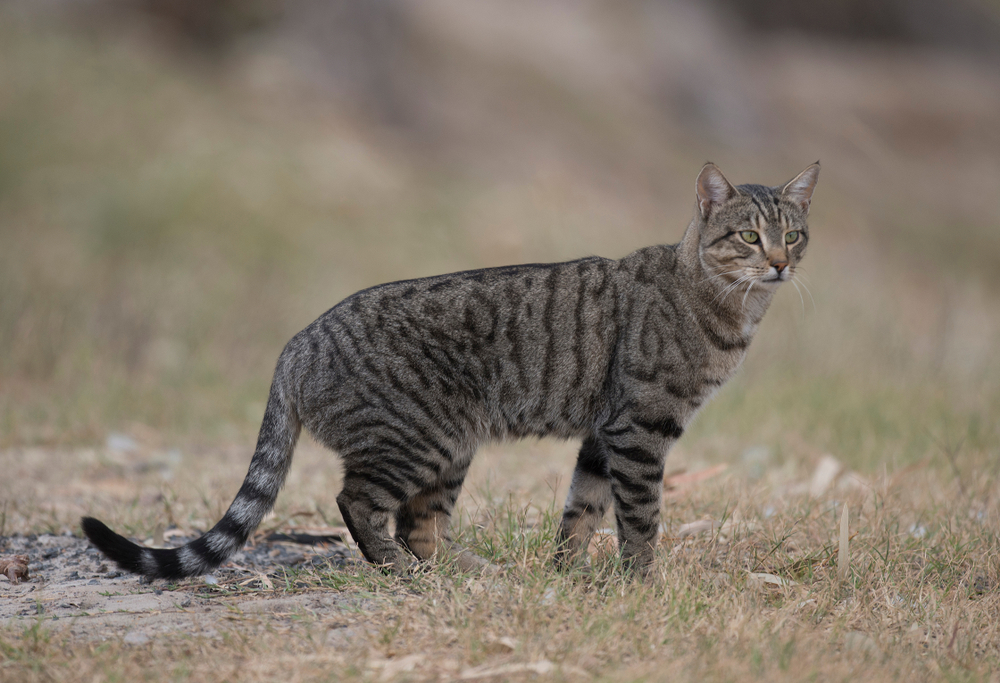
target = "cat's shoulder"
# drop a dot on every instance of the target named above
(648, 265)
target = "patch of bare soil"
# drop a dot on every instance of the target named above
(71, 586)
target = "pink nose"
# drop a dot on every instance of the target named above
(780, 265)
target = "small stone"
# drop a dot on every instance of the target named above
(856, 641)
(756, 461)
(135, 638)
(720, 580)
(826, 472)
(121, 443)
(549, 597)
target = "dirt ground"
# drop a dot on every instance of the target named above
(75, 589)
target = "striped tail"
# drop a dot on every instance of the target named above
(270, 463)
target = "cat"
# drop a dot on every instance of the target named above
(405, 379)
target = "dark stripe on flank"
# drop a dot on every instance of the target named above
(548, 367)
(385, 483)
(578, 332)
(453, 483)
(617, 432)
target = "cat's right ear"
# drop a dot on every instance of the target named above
(713, 189)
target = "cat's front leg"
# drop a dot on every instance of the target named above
(636, 456)
(588, 501)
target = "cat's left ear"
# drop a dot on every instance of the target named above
(799, 190)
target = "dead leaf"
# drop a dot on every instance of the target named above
(541, 667)
(14, 567)
(764, 579)
(504, 645)
(692, 528)
(674, 481)
(391, 668)
(265, 582)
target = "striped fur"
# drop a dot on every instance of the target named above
(406, 379)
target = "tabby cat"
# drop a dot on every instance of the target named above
(406, 379)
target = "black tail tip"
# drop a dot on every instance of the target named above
(119, 549)
(97, 531)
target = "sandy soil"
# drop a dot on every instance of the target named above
(72, 586)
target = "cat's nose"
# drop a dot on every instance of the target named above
(780, 266)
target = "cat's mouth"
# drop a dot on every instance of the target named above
(775, 275)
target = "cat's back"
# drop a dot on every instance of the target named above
(476, 304)
(515, 341)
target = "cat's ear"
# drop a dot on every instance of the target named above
(713, 189)
(799, 190)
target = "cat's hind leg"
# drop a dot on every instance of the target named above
(588, 501)
(422, 523)
(368, 503)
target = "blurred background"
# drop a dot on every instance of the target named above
(184, 184)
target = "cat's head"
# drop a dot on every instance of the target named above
(752, 233)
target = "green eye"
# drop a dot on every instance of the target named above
(750, 237)
(791, 237)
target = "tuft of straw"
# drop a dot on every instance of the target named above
(844, 557)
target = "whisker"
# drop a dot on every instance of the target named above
(798, 271)
(809, 292)
(743, 306)
(730, 287)
(801, 300)
(751, 279)
(713, 277)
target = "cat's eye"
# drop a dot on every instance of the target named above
(792, 237)
(750, 237)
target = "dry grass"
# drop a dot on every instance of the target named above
(164, 234)
(757, 595)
